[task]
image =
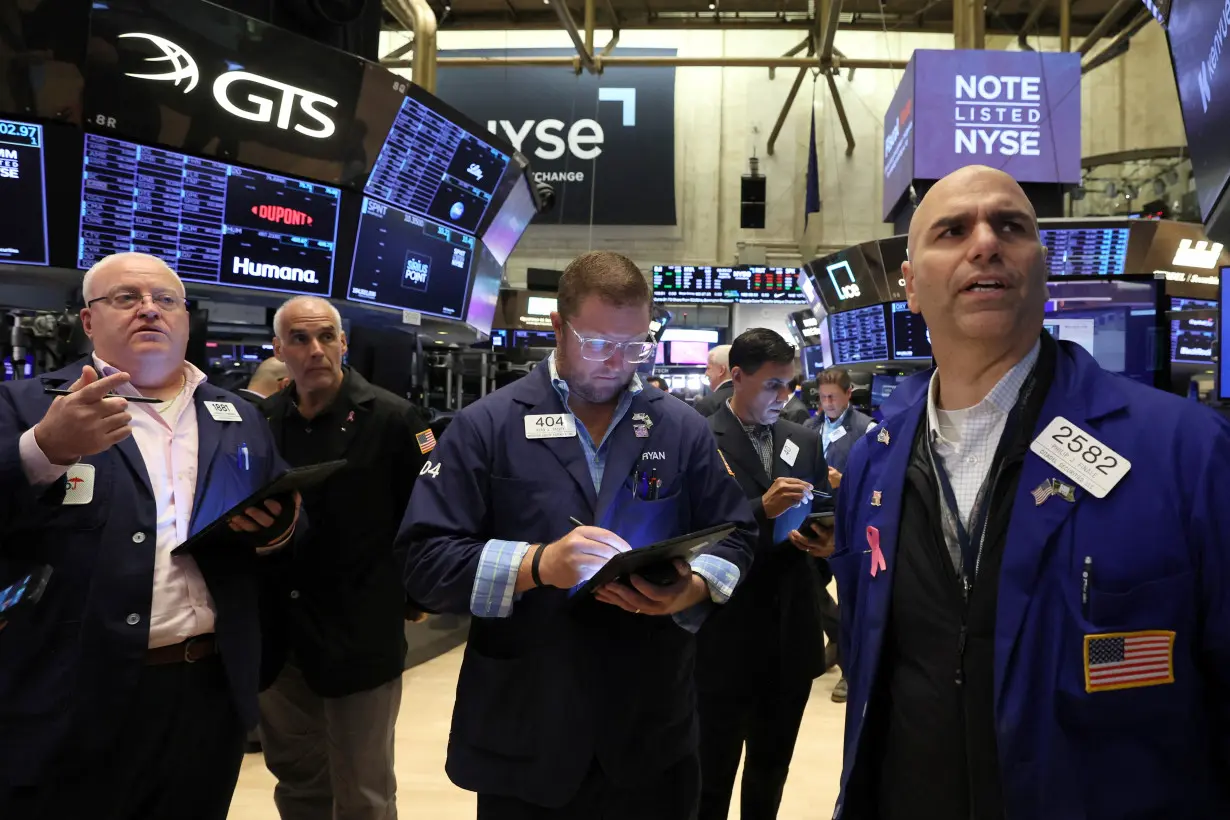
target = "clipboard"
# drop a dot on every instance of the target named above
(633, 562)
(296, 478)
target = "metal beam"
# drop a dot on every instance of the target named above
(417, 16)
(603, 63)
(789, 103)
(615, 26)
(1065, 25)
(1106, 23)
(590, 19)
(1035, 14)
(1119, 45)
(401, 50)
(840, 108)
(825, 45)
(565, 18)
(807, 41)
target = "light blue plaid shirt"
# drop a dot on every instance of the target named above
(500, 562)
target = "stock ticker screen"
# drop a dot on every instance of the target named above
(212, 222)
(436, 168)
(403, 260)
(23, 231)
(1193, 337)
(911, 340)
(859, 335)
(708, 284)
(1085, 251)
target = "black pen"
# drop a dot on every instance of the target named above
(576, 522)
(56, 391)
(653, 485)
(1085, 586)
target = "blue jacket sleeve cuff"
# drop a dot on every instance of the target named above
(495, 583)
(722, 577)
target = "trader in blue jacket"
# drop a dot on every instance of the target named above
(576, 708)
(1033, 560)
(125, 691)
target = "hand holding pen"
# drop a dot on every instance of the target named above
(578, 555)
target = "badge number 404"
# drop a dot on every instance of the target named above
(550, 425)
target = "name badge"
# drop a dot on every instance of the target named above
(790, 451)
(550, 425)
(79, 484)
(223, 411)
(839, 433)
(1081, 457)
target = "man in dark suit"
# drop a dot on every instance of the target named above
(335, 626)
(758, 656)
(718, 374)
(126, 692)
(270, 377)
(795, 410)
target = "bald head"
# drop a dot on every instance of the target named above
(962, 181)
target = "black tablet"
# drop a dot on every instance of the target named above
(663, 552)
(296, 478)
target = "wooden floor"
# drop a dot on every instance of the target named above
(422, 732)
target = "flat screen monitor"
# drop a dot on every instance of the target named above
(1193, 331)
(1223, 372)
(688, 334)
(23, 190)
(510, 222)
(815, 360)
(1114, 320)
(404, 260)
(846, 281)
(688, 353)
(438, 169)
(710, 284)
(212, 222)
(485, 278)
(882, 386)
(533, 338)
(911, 339)
(859, 335)
(659, 356)
(1086, 250)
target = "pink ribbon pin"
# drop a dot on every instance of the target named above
(350, 416)
(877, 557)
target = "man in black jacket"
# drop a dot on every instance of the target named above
(757, 658)
(335, 607)
(718, 374)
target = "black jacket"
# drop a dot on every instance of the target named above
(770, 629)
(796, 411)
(716, 400)
(337, 601)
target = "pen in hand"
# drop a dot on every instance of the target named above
(575, 521)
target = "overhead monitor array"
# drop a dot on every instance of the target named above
(713, 284)
(23, 230)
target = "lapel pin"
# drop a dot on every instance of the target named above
(884, 437)
(350, 416)
(1043, 491)
(641, 431)
(644, 419)
(876, 498)
(877, 555)
(1065, 491)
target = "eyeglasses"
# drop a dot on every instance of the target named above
(126, 299)
(595, 349)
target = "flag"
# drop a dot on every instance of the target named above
(426, 441)
(1044, 491)
(1125, 660)
(813, 174)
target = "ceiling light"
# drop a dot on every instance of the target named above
(442, 332)
(712, 6)
(439, 342)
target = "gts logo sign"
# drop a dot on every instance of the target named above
(582, 139)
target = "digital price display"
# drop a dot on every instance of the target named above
(211, 222)
(435, 168)
(1085, 251)
(911, 339)
(23, 231)
(403, 260)
(708, 284)
(859, 336)
(815, 361)
(1193, 338)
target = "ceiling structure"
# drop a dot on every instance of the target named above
(1006, 17)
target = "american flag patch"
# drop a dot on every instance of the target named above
(1044, 491)
(426, 441)
(1125, 660)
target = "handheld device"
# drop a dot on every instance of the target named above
(824, 518)
(18, 597)
(654, 562)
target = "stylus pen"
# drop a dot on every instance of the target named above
(576, 522)
(56, 391)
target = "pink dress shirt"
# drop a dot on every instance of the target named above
(182, 607)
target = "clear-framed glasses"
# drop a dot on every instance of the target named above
(596, 349)
(130, 298)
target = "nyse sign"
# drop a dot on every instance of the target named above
(998, 115)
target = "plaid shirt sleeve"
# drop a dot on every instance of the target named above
(722, 578)
(496, 580)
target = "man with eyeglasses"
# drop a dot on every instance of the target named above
(567, 707)
(126, 693)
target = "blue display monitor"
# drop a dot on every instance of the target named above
(911, 339)
(859, 335)
(23, 190)
(1223, 371)
(1113, 319)
(1193, 331)
(211, 222)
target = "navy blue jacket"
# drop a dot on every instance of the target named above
(68, 669)
(1159, 548)
(549, 688)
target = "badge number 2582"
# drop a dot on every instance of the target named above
(1081, 457)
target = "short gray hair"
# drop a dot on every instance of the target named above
(720, 355)
(87, 284)
(299, 300)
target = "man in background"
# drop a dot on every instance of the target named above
(758, 655)
(796, 409)
(336, 605)
(718, 374)
(270, 377)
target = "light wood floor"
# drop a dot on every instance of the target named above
(422, 733)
